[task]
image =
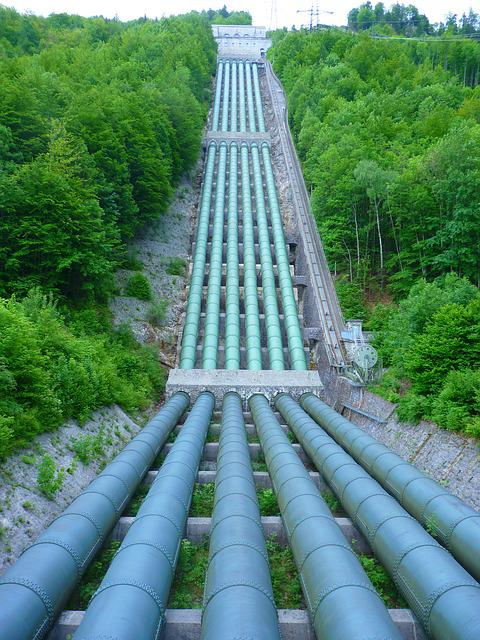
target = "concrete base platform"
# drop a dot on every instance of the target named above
(245, 383)
(185, 624)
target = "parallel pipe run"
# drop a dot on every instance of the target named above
(289, 306)
(131, 600)
(34, 590)
(226, 97)
(238, 600)
(258, 99)
(453, 522)
(212, 309)
(232, 300)
(272, 321)
(442, 594)
(188, 354)
(340, 598)
(252, 320)
(241, 97)
(233, 112)
(251, 110)
(218, 94)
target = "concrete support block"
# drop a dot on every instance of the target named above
(185, 624)
(198, 529)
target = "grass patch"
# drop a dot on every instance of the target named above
(93, 577)
(177, 267)
(259, 466)
(187, 587)
(157, 312)
(384, 585)
(137, 499)
(332, 503)
(138, 286)
(285, 582)
(203, 498)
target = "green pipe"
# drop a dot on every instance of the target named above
(251, 110)
(454, 523)
(34, 590)
(188, 354)
(226, 97)
(233, 113)
(340, 598)
(238, 601)
(232, 300)
(218, 93)
(252, 320)
(212, 310)
(289, 305)
(272, 321)
(445, 598)
(241, 97)
(258, 99)
(131, 600)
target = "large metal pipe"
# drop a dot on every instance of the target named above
(226, 97)
(270, 305)
(218, 94)
(442, 594)
(188, 354)
(232, 299)
(212, 308)
(238, 601)
(34, 590)
(289, 305)
(132, 597)
(241, 97)
(453, 522)
(340, 598)
(258, 99)
(251, 109)
(233, 112)
(252, 320)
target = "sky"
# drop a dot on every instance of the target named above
(261, 10)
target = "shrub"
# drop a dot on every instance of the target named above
(177, 267)
(49, 479)
(157, 312)
(458, 401)
(89, 447)
(138, 286)
(267, 502)
(6, 436)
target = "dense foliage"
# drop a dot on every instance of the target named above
(51, 371)
(389, 141)
(389, 136)
(223, 16)
(98, 120)
(408, 21)
(431, 343)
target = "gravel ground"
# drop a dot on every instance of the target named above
(154, 249)
(24, 510)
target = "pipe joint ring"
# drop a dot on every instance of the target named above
(37, 590)
(154, 545)
(326, 591)
(70, 550)
(426, 610)
(240, 542)
(88, 516)
(372, 533)
(447, 537)
(129, 582)
(240, 583)
(400, 556)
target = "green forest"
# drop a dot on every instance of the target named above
(388, 133)
(98, 121)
